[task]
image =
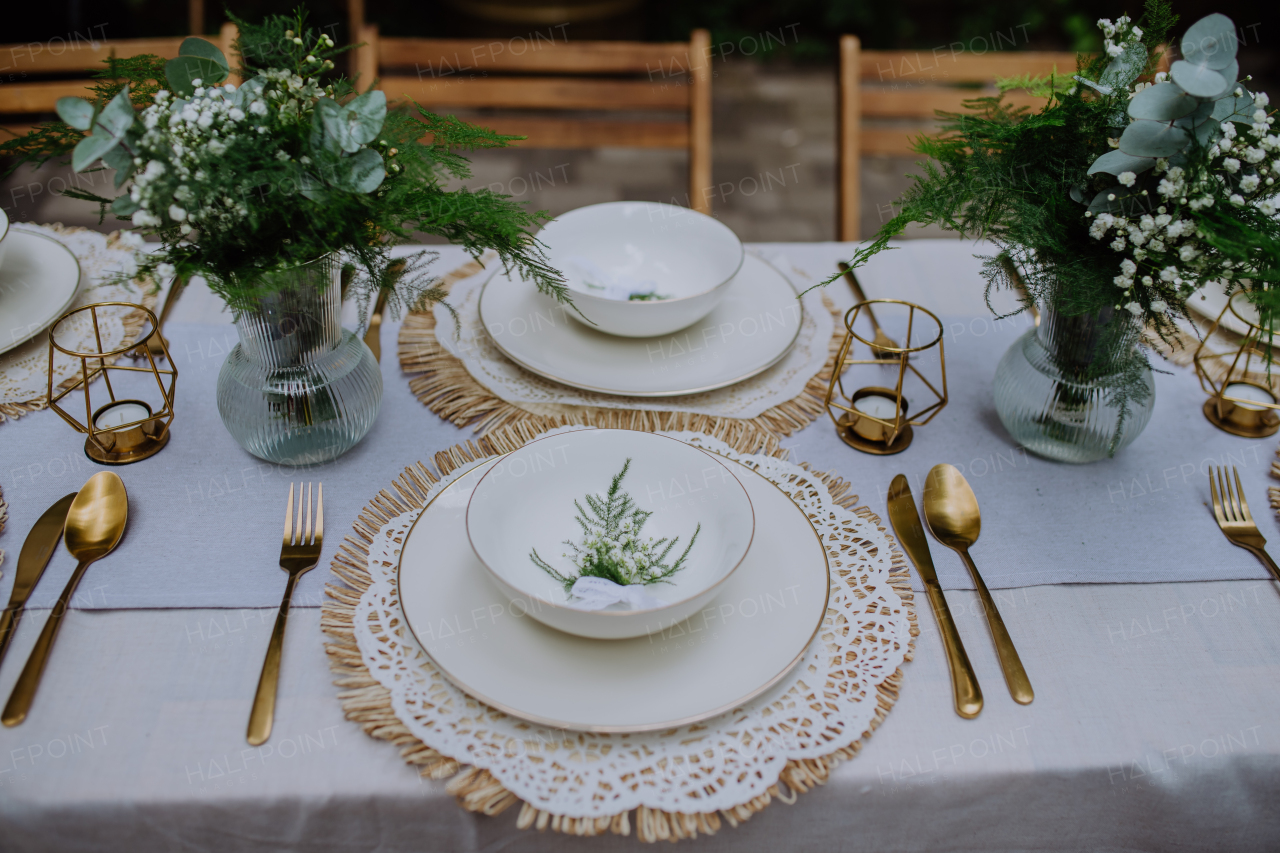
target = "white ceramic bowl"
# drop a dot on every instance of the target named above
(625, 246)
(526, 502)
(4, 232)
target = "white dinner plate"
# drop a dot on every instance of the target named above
(38, 282)
(751, 329)
(741, 644)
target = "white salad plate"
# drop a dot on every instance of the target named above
(752, 328)
(732, 651)
(38, 282)
(532, 503)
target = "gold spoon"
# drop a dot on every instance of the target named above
(951, 510)
(881, 342)
(95, 524)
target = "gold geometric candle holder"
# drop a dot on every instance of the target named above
(1242, 392)
(121, 430)
(877, 418)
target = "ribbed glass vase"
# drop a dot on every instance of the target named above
(299, 389)
(1061, 389)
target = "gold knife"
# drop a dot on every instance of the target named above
(906, 523)
(36, 551)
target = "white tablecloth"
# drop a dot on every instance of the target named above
(1153, 727)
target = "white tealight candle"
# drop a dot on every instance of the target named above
(1240, 391)
(876, 406)
(120, 414)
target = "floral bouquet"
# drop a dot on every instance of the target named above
(1132, 188)
(291, 165)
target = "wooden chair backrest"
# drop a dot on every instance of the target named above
(29, 98)
(905, 88)
(550, 74)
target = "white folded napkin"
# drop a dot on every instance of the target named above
(620, 286)
(598, 593)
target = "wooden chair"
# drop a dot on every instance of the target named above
(901, 90)
(578, 83)
(30, 98)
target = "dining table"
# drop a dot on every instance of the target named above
(1152, 643)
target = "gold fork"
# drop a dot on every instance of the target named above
(298, 555)
(1232, 511)
(881, 343)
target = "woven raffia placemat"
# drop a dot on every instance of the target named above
(366, 702)
(441, 382)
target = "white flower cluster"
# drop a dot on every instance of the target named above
(1119, 35)
(1168, 247)
(184, 140)
(626, 550)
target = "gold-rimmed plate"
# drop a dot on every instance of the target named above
(752, 329)
(732, 651)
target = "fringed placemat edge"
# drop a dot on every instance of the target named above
(368, 703)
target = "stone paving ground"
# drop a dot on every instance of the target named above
(774, 165)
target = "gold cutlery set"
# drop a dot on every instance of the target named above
(951, 510)
(91, 524)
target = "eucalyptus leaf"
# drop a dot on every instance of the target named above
(202, 49)
(312, 187)
(363, 172)
(1115, 162)
(248, 92)
(1146, 138)
(355, 123)
(1211, 42)
(1232, 75)
(1207, 130)
(1106, 90)
(109, 130)
(324, 133)
(1197, 80)
(1077, 193)
(116, 117)
(1163, 102)
(1202, 112)
(1125, 68)
(183, 71)
(124, 206)
(76, 112)
(89, 149)
(365, 115)
(121, 160)
(1231, 108)
(1128, 201)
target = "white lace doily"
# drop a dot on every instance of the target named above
(24, 371)
(826, 703)
(785, 381)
